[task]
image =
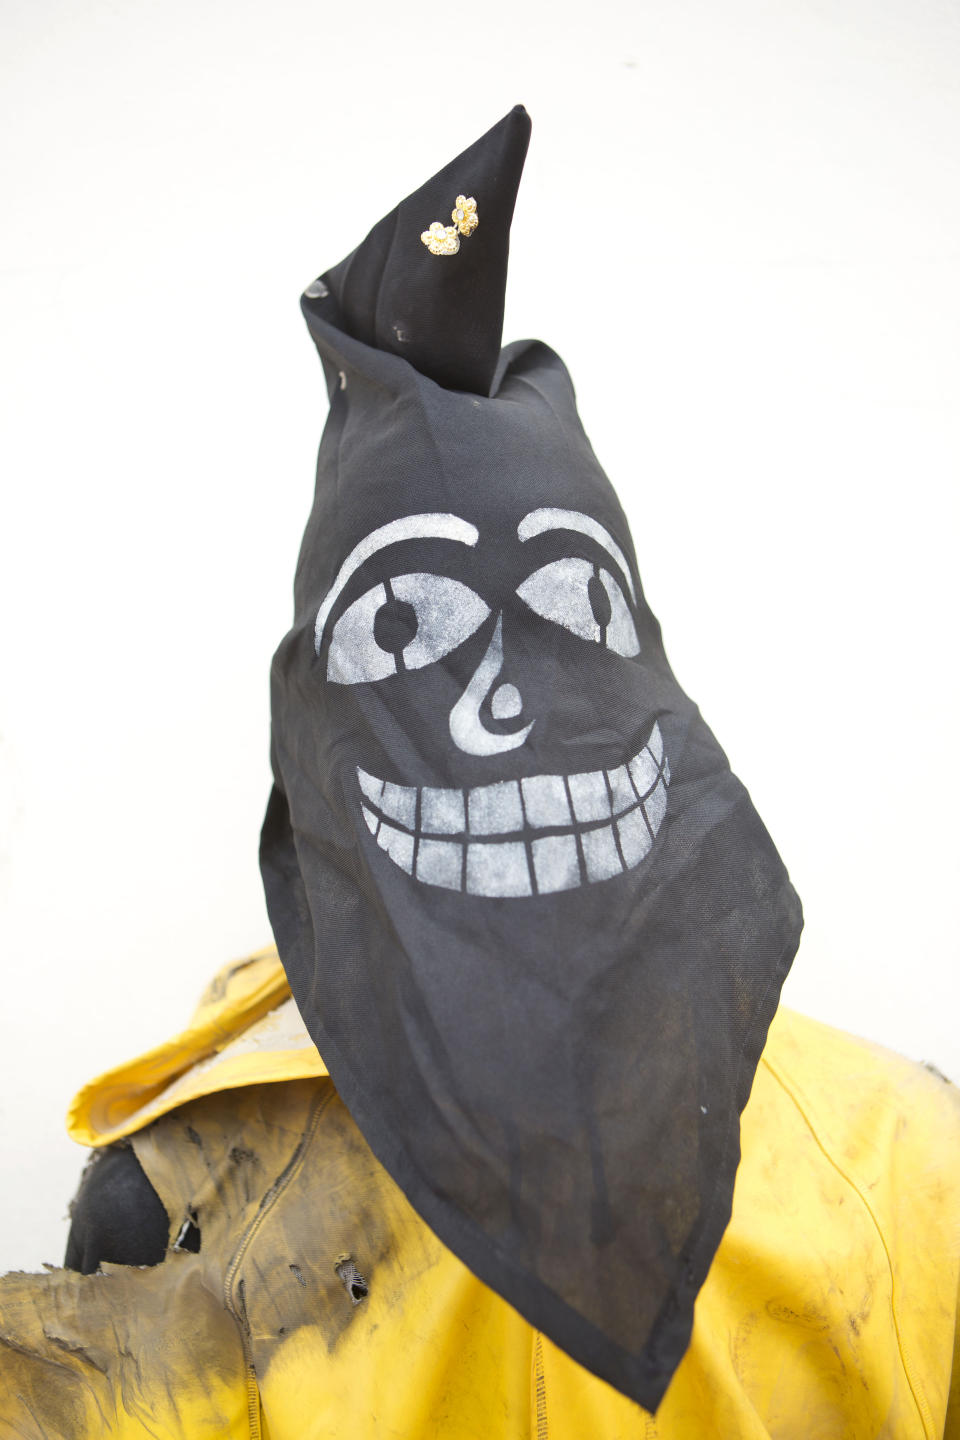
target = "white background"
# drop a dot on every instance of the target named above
(738, 225)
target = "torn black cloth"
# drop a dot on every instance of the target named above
(117, 1216)
(532, 920)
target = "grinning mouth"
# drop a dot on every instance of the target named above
(533, 836)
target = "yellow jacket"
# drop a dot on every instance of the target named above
(321, 1306)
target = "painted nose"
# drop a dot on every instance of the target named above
(466, 725)
(505, 702)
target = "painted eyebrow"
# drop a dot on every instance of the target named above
(410, 527)
(538, 521)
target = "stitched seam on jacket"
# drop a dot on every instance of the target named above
(792, 1091)
(540, 1388)
(271, 1197)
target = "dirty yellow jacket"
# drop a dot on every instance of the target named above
(321, 1306)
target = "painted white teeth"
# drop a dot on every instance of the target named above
(398, 845)
(370, 785)
(600, 853)
(555, 864)
(479, 840)
(495, 809)
(545, 800)
(442, 812)
(498, 869)
(440, 862)
(399, 802)
(643, 772)
(622, 794)
(656, 807)
(372, 820)
(635, 837)
(589, 795)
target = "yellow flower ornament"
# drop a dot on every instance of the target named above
(464, 215)
(441, 239)
(445, 239)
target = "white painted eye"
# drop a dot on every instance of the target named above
(585, 599)
(403, 624)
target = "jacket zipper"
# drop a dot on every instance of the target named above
(233, 1296)
(235, 1301)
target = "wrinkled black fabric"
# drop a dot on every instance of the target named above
(554, 1079)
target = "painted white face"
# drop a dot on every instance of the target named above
(536, 835)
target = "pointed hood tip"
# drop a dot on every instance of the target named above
(442, 310)
(519, 115)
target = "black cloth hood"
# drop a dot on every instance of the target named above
(531, 919)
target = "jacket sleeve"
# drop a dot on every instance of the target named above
(128, 1353)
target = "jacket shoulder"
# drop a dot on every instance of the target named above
(880, 1135)
(244, 1031)
(852, 1089)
